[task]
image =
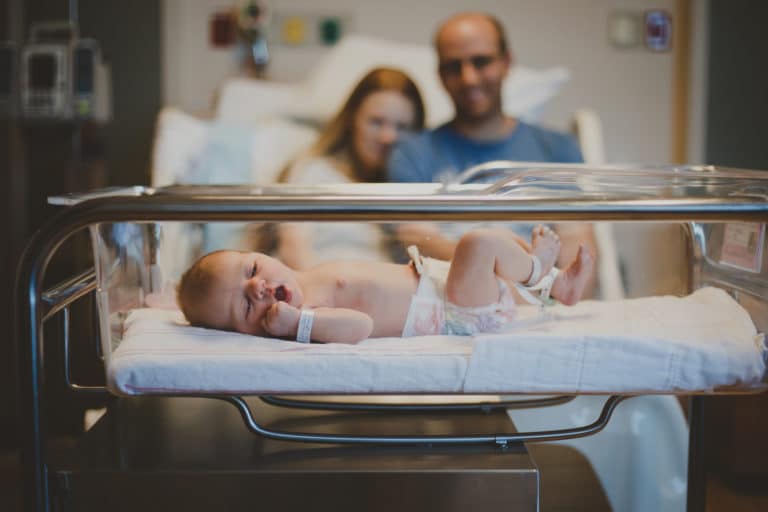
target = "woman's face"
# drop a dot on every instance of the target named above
(379, 121)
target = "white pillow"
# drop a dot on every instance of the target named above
(274, 143)
(188, 150)
(247, 100)
(525, 90)
(179, 141)
(195, 151)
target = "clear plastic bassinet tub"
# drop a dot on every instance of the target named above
(678, 303)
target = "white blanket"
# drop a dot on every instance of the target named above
(655, 344)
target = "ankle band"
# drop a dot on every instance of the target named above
(535, 272)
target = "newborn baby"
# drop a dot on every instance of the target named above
(349, 301)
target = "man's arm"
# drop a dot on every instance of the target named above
(428, 238)
(402, 165)
(569, 151)
(559, 147)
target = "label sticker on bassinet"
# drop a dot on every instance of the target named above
(743, 245)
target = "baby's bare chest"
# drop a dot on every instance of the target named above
(369, 288)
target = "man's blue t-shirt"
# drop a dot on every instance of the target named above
(441, 154)
(438, 155)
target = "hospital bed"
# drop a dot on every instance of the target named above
(707, 340)
(256, 127)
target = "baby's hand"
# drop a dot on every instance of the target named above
(281, 320)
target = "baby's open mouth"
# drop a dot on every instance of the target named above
(281, 293)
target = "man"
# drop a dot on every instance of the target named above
(473, 61)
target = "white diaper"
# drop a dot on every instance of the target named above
(431, 313)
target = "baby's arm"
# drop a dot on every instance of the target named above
(330, 325)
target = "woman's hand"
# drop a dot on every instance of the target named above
(427, 237)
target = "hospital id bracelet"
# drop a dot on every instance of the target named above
(535, 272)
(306, 317)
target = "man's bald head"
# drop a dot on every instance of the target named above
(458, 23)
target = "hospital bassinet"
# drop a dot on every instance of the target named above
(707, 342)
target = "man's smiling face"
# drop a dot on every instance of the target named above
(472, 67)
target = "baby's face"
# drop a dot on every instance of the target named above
(248, 284)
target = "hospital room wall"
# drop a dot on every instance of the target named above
(737, 81)
(631, 89)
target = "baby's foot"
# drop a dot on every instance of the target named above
(545, 244)
(570, 282)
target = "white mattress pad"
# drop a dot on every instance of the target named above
(655, 344)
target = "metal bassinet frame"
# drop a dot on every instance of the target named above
(34, 305)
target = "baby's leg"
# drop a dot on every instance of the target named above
(483, 255)
(571, 281)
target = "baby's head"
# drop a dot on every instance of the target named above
(233, 290)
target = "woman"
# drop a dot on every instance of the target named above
(353, 147)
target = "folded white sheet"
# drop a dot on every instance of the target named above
(666, 343)
(655, 344)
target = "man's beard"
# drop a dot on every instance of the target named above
(468, 116)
